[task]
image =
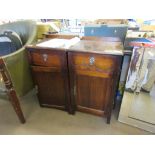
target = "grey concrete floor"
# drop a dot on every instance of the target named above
(47, 121)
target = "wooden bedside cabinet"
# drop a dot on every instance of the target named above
(50, 74)
(93, 77)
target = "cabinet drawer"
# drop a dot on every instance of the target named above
(94, 64)
(45, 59)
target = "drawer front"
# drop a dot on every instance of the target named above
(46, 59)
(94, 64)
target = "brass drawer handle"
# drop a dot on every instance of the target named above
(91, 60)
(45, 57)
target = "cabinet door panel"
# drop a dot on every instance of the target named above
(50, 83)
(95, 73)
(92, 93)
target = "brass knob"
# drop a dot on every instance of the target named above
(91, 60)
(45, 56)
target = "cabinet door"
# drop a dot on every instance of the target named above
(93, 80)
(50, 74)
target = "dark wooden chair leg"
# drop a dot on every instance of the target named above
(10, 91)
(16, 105)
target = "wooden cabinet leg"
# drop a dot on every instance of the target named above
(108, 119)
(115, 102)
(109, 111)
(72, 112)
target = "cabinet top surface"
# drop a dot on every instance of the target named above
(91, 46)
(98, 47)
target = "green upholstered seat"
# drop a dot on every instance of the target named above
(17, 62)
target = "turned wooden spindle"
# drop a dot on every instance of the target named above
(11, 91)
